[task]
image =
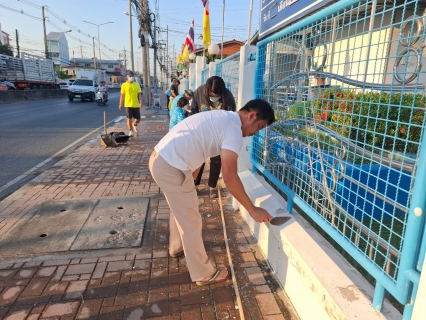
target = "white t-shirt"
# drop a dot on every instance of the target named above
(201, 136)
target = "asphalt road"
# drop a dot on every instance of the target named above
(31, 132)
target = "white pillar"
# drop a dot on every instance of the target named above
(192, 77)
(245, 94)
(212, 69)
(419, 310)
(184, 85)
(200, 64)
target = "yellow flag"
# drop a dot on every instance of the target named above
(206, 25)
(185, 53)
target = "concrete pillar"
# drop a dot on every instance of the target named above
(184, 85)
(419, 310)
(245, 94)
(200, 64)
(212, 69)
(192, 77)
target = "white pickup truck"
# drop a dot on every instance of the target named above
(86, 84)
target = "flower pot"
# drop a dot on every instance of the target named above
(320, 82)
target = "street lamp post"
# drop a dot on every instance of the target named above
(213, 51)
(99, 40)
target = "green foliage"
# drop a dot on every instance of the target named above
(6, 49)
(300, 110)
(61, 74)
(390, 122)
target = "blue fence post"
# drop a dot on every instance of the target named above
(379, 297)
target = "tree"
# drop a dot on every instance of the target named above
(6, 49)
(61, 74)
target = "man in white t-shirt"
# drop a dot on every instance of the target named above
(176, 161)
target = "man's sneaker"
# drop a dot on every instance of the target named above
(131, 133)
(135, 128)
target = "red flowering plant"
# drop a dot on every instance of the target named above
(334, 109)
(374, 120)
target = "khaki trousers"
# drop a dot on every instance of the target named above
(185, 219)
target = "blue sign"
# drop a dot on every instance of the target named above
(276, 14)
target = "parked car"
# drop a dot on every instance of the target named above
(64, 85)
(9, 85)
(71, 81)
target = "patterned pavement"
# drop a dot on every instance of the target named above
(130, 283)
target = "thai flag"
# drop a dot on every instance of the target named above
(206, 5)
(190, 38)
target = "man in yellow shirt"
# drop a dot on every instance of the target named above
(131, 94)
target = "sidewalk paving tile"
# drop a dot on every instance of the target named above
(139, 284)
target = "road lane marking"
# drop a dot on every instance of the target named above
(11, 183)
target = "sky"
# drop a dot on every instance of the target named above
(26, 17)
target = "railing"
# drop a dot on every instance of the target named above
(204, 75)
(348, 88)
(229, 70)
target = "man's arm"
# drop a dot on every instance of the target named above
(236, 188)
(140, 99)
(120, 106)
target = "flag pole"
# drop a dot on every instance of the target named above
(223, 27)
(250, 21)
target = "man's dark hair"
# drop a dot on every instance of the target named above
(177, 81)
(262, 108)
(217, 86)
(182, 102)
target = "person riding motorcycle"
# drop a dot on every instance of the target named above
(104, 90)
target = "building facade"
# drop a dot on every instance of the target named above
(112, 67)
(57, 48)
(4, 37)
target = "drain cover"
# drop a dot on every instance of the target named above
(53, 228)
(79, 225)
(114, 224)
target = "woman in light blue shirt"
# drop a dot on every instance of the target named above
(179, 112)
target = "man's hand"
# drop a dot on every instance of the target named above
(120, 107)
(260, 215)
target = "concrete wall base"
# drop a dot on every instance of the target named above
(320, 283)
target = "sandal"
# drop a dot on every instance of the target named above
(214, 193)
(178, 255)
(213, 278)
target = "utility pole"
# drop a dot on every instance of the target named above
(125, 59)
(155, 56)
(166, 61)
(44, 29)
(132, 61)
(145, 52)
(94, 53)
(17, 42)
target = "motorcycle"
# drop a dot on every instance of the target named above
(100, 99)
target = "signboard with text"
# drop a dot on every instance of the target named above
(276, 14)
